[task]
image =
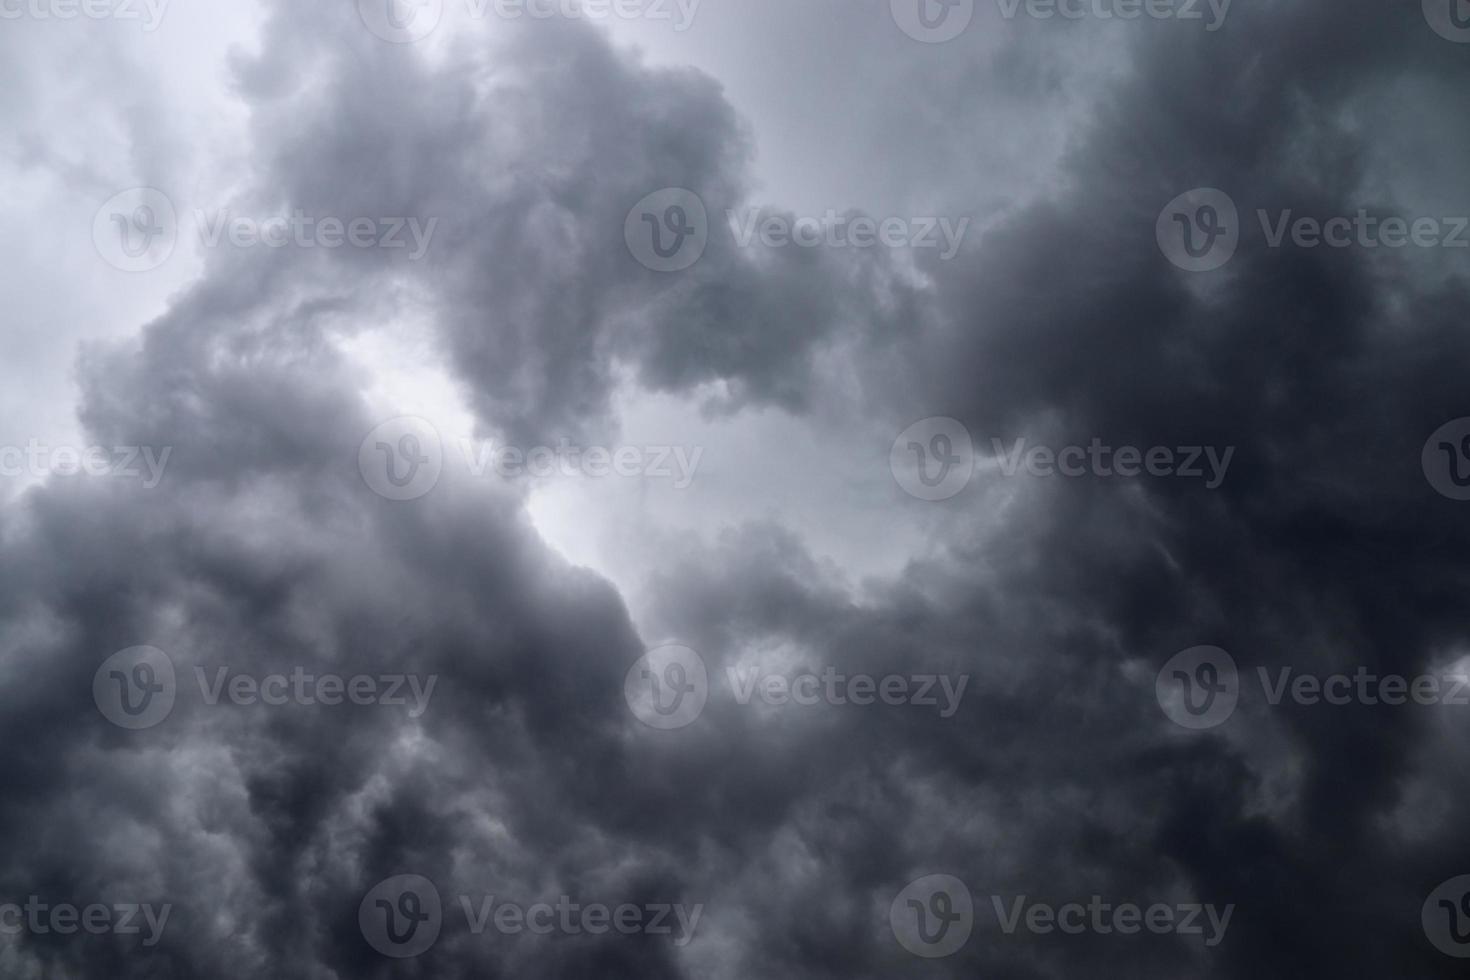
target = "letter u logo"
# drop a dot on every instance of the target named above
(676, 220)
(411, 451)
(1458, 477)
(144, 679)
(943, 449)
(147, 226)
(411, 909)
(931, 20)
(677, 679)
(1207, 676)
(941, 910)
(396, 18)
(1459, 933)
(1207, 220)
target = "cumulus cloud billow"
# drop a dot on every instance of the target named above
(720, 490)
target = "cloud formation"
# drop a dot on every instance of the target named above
(529, 777)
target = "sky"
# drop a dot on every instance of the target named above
(698, 489)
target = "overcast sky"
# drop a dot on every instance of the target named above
(734, 488)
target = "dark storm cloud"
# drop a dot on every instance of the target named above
(1324, 550)
(263, 827)
(530, 146)
(528, 778)
(262, 550)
